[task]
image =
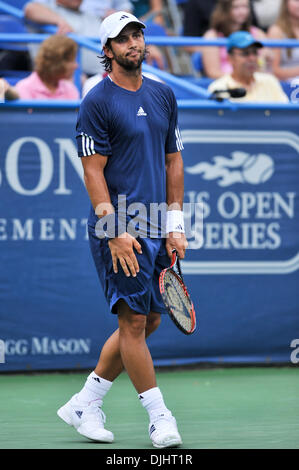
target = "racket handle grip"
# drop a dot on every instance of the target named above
(176, 260)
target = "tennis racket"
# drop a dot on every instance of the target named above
(175, 296)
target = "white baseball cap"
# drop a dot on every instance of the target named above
(113, 24)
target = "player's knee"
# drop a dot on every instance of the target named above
(152, 323)
(132, 324)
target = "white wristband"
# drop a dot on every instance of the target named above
(175, 221)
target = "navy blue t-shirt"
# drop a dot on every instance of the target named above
(135, 130)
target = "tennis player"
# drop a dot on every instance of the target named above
(130, 145)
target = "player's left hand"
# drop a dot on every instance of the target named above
(176, 241)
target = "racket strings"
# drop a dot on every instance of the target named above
(179, 302)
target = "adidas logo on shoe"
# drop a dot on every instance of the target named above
(97, 379)
(141, 112)
(91, 425)
(163, 431)
(152, 429)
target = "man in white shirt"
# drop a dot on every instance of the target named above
(103, 8)
(260, 87)
(82, 17)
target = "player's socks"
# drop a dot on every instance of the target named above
(152, 400)
(95, 388)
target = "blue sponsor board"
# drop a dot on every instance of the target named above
(242, 165)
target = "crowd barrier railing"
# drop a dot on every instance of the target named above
(182, 104)
(193, 89)
(93, 44)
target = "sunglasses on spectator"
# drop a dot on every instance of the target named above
(247, 52)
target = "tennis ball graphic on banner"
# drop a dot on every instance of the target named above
(240, 168)
(258, 168)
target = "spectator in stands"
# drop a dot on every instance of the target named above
(197, 16)
(243, 50)
(286, 61)
(66, 15)
(265, 12)
(82, 17)
(228, 16)
(103, 8)
(55, 64)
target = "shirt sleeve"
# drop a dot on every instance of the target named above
(174, 141)
(123, 5)
(92, 130)
(278, 93)
(24, 90)
(221, 83)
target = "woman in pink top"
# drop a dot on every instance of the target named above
(55, 65)
(228, 16)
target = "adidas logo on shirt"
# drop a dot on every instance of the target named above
(141, 112)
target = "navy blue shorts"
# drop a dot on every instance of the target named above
(142, 292)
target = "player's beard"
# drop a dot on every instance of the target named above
(128, 64)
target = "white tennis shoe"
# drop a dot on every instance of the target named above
(163, 430)
(88, 419)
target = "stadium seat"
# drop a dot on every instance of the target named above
(13, 76)
(17, 3)
(9, 24)
(154, 29)
(14, 56)
(196, 59)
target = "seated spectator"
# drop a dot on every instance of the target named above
(103, 8)
(243, 50)
(227, 17)
(265, 12)
(197, 15)
(286, 60)
(82, 17)
(66, 15)
(55, 64)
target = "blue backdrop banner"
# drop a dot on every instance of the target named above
(241, 164)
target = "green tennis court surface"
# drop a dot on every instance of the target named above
(229, 408)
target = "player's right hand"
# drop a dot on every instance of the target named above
(122, 250)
